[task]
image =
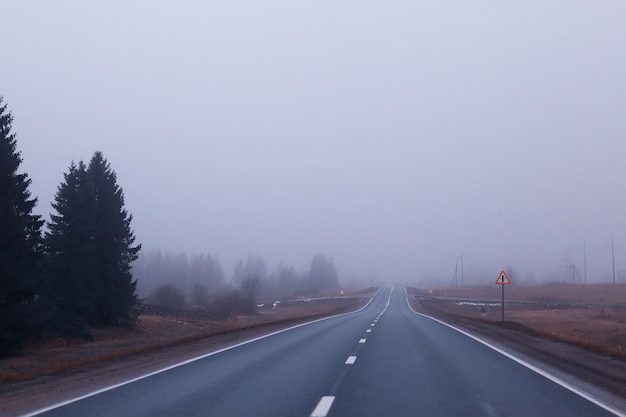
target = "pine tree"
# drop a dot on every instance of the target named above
(90, 249)
(71, 252)
(20, 246)
(114, 241)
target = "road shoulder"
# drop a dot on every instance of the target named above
(601, 376)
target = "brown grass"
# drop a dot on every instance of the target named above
(589, 316)
(554, 292)
(153, 333)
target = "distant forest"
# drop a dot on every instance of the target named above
(198, 279)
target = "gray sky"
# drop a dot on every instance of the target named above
(389, 135)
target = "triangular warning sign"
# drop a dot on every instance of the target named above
(503, 279)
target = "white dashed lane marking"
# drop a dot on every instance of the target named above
(323, 407)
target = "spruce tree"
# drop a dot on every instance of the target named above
(114, 240)
(90, 249)
(71, 250)
(20, 246)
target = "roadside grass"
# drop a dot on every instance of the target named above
(152, 333)
(592, 317)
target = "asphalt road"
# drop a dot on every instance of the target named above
(384, 360)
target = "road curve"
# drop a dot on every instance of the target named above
(383, 360)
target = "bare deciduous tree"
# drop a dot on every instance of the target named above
(251, 286)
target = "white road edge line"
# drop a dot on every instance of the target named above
(350, 360)
(387, 303)
(528, 365)
(323, 407)
(188, 361)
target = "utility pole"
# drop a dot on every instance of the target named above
(462, 270)
(455, 281)
(585, 260)
(455, 278)
(613, 257)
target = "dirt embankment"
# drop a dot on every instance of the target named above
(578, 329)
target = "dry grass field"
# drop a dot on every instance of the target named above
(590, 316)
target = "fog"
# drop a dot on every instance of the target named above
(391, 136)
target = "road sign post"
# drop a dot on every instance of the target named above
(502, 286)
(503, 279)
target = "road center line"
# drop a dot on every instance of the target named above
(188, 361)
(323, 407)
(368, 331)
(362, 340)
(351, 360)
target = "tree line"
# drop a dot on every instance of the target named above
(76, 273)
(180, 280)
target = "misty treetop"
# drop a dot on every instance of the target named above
(323, 274)
(195, 274)
(20, 245)
(254, 266)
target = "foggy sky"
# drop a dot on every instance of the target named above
(391, 136)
